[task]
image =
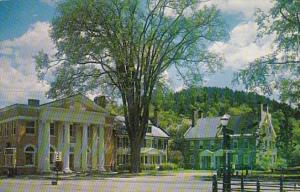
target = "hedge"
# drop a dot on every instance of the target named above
(168, 166)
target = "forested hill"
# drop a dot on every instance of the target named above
(175, 111)
(212, 101)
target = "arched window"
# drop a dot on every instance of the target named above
(52, 155)
(29, 155)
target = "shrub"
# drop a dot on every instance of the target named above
(122, 168)
(168, 166)
(280, 163)
(176, 157)
(148, 167)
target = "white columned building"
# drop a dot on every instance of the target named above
(84, 149)
(66, 148)
(101, 149)
(77, 151)
(44, 147)
(95, 139)
(81, 113)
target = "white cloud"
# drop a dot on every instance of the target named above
(242, 46)
(50, 2)
(18, 80)
(246, 7)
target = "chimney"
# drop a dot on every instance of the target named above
(33, 102)
(156, 121)
(194, 117)
(100, 100)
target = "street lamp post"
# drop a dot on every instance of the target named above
(226, 157)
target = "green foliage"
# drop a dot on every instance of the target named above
(242, 109)
(264, 162)
(296, 138)
(148, 167)
(125, 46)
(122, 168)
(280, 70)
(176, 157)
(176, 111)
(280, 163)
(168, 166)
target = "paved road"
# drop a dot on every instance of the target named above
(177, 182)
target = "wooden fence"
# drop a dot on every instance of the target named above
(251, 185)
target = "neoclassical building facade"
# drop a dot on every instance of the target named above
(30, 134)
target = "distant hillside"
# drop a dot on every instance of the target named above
(175, 111)
(212, 101)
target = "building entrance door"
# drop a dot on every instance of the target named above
(206, 162)
(71, 161)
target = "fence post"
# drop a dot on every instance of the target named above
(214, 184)
(242, 183)
(257, 185)
(281, 183)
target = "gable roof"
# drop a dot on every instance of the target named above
(155, 131)
(78, 97)
(209, 127)
(268, 120)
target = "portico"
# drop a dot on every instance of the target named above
(79, 125)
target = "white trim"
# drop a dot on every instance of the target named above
(187, 132)
(34, 153)
(19, 117)
(79, 98)
(30, 145)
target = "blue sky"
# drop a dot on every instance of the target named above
(24, 30)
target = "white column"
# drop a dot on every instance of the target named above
(66, 148)
(160, 159)
(44, 147)
(101, 154)
(94, 147)
(84, 154)
(77, 150)
(60, 137)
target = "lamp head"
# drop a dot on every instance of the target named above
(225, 119)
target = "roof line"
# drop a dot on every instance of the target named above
(164, 131)
(74, 95)
(187, 131)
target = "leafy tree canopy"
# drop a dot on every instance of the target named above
(279, 71)
(126, 45)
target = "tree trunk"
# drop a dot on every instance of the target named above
(135, 155)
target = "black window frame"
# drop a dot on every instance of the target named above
(52, 129)
(30, 127)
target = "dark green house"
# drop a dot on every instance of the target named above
(252, 139)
